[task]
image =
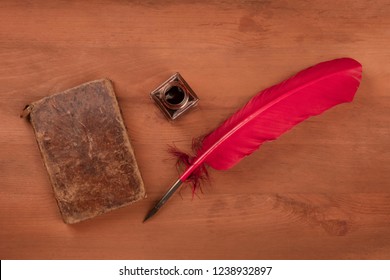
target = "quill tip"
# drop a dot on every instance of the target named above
(150, 214)
(164, 199)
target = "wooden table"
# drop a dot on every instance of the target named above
(322, 191)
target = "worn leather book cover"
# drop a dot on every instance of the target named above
(86, 150)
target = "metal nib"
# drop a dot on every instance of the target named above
(150, 214)
(164, 199)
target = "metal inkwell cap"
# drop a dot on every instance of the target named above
(174, 96)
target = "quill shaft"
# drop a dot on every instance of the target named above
(197, 163)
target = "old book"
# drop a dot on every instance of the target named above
(86, 150)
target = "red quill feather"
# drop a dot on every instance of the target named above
(268, 115)
(276, 110)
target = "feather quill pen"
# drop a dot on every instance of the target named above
(268, 115)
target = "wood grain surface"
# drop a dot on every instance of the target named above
(322, 191)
